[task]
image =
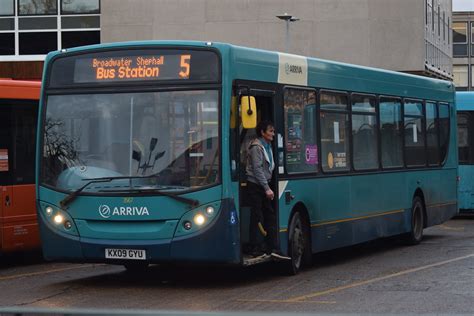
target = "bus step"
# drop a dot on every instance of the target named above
(250, 261)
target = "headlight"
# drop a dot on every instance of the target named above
(187, 225)
(49, 210)
(58, 219)
(209, 210)
(67, 225)
(199, 219)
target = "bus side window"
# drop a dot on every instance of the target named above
(464, 137)
(24, 120)
(364, 132)
(301, 148)
(415, 152)
(391, 136)
(432, 133)
(444, 122)
(334, 118)
(5, 145)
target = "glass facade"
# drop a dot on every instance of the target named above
(463, 51)
(460, 46)
(438, 37)
(29, 29)
(461, 77)
(37, 7)
(7, 8)
(80, 7)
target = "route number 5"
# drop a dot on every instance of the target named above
(185, 66)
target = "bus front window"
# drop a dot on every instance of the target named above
(169, 137)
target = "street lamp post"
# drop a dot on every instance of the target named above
(287, 18)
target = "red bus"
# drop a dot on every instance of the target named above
(18, 115)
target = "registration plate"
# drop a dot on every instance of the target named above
(130, 254)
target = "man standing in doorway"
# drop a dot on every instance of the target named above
(260, 165)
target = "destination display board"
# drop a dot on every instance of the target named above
(127, 66)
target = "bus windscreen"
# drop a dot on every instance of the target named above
(135, 65)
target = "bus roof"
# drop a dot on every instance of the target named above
(328, 74)
(464, 101)
(262, 65)
(19, 89)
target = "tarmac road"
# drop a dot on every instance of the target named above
(385, 276)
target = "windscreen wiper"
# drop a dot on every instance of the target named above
(73, 195)
(191, 202)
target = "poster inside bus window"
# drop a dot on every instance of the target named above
(3, 160)
(294, 139)
(129, 68)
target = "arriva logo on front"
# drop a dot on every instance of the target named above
(106, 212)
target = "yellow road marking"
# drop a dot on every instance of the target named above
(444, 226)
(17, 276)
(393, 275)
(286, 301)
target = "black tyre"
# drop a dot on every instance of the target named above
(415, 236)
(296, 245)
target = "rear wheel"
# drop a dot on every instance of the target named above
(296, 244)
(415, 236)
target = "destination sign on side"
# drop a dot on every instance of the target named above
(131, 68)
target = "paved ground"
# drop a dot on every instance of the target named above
(385, 276)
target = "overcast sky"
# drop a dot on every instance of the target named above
(463, 5)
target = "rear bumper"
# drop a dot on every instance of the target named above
(217, 243)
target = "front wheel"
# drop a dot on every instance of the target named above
(415, 236)
(296, 244)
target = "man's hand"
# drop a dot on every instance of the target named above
(270, 195)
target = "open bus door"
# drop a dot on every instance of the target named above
(265, 100)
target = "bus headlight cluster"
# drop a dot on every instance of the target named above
(197, 218)
(59, 219)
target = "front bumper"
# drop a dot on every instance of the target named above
(217, 243)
